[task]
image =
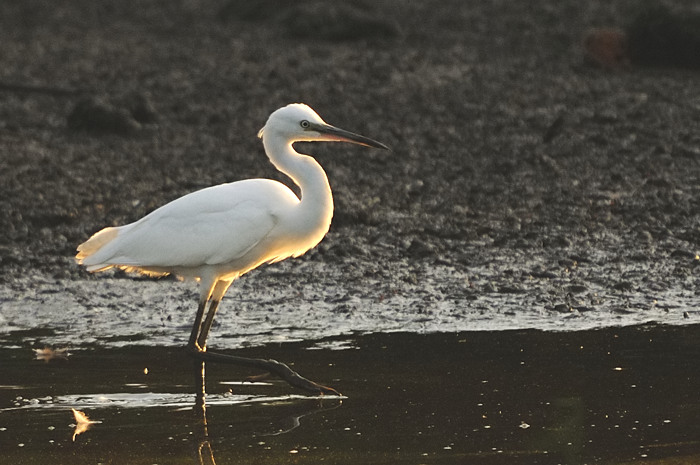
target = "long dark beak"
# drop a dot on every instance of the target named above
(331, 133)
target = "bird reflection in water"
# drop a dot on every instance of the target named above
(290, 420)
(82, 423)
(205, 454)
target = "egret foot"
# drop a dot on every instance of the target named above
(272, 367)
(315, 386)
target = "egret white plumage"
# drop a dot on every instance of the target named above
(217, 234)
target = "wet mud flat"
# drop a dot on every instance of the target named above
(518, 173)
(613, 396)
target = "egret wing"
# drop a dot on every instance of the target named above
(208, 227)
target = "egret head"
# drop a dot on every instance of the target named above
(297, 122)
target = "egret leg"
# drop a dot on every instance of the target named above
(214, 295)
(206, 324)
(271, 366)
(208, 285)
(198, 340)
(196, 327)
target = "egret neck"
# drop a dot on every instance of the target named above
(316, 203)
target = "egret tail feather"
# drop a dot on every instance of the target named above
(95, 243)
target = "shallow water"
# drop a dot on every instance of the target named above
(607, 396)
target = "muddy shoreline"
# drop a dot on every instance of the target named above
(522, 183)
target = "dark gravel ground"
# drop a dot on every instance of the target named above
(521, 178)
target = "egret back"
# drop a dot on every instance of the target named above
(219, 226)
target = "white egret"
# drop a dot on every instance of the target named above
(217, 234)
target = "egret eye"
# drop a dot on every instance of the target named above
(305, 124)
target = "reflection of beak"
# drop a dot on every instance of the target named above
(331, 133)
